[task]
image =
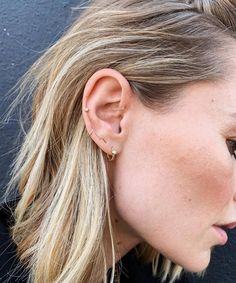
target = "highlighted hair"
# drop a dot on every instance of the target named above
(159, 46)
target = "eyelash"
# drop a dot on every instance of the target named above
(232, 147)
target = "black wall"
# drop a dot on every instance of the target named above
(26, 28)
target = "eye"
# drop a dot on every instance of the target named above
(232, 147)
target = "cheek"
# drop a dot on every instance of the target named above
(207, 173)
(137, 184)
(170, 196)
(190, 181)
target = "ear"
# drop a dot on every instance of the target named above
(106, 101)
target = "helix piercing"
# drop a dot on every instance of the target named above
(91, 132)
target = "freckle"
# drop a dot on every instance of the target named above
(213, 100)
(116, 220)
(189, 199)
(118, 243)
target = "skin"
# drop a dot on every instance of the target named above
(173, 176)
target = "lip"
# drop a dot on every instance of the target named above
(222, 234)
(230, 225)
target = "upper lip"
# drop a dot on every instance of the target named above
(227, 225)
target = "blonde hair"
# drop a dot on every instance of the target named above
(159, 46)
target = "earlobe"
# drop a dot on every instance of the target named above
(106, 101)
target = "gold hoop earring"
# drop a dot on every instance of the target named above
(113, 154)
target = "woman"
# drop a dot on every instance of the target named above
(132, 142)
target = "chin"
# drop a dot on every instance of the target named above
(198, 263)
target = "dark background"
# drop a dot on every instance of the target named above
(27, 28)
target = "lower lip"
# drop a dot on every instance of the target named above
(222, 234)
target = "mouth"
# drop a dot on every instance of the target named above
(220, 229)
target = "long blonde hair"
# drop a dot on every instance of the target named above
(60, 173)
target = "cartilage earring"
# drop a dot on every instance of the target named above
(90, 133)
(113, 154)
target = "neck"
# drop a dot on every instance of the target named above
(124, 238)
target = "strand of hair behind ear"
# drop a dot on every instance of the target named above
(159, 46)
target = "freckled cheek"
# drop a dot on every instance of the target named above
(213, 180)
(217, 191)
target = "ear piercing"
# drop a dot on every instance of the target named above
(113, 154)
(91, 132)
(113, 151)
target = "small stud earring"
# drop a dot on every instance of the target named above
(86, 109)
